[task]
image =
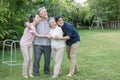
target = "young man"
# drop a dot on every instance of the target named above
(72, 42)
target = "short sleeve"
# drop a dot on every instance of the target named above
(60, 32)
(32, 29)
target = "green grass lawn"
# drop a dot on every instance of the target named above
(98, 59)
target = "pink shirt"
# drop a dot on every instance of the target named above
(27, 38)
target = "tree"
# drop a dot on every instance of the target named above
(108, 10)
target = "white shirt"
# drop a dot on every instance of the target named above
(56, 32)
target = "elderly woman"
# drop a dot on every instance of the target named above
(57, 46)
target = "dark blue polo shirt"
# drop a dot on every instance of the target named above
(70, 31)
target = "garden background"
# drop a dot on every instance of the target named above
(97, 21)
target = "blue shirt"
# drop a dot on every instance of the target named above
(70, 31)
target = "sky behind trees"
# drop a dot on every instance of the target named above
(80, 1)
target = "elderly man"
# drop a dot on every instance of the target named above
(42, 45)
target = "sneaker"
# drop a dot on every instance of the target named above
(26, 77)
(69, 75)
(47, 73)
(54, 76)
(31, 75)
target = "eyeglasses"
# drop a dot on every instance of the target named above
(60, 20)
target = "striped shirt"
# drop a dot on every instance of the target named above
(42, 28)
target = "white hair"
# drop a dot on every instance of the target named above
(51, 19)
(40, 9)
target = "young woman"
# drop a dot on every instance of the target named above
(26, 45)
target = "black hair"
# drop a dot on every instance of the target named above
(57, 18)
(31, 18)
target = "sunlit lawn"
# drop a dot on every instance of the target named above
(98, 59)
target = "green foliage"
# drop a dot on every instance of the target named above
(14, 13)
(108, 10)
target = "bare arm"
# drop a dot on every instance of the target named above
(27, 24)
(37, 35)
(34, 32)
(62, 38)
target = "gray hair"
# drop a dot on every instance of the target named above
(40, 9)
(51, 19)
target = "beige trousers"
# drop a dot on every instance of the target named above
(72, 52)
(27, 55)
(57, 57)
